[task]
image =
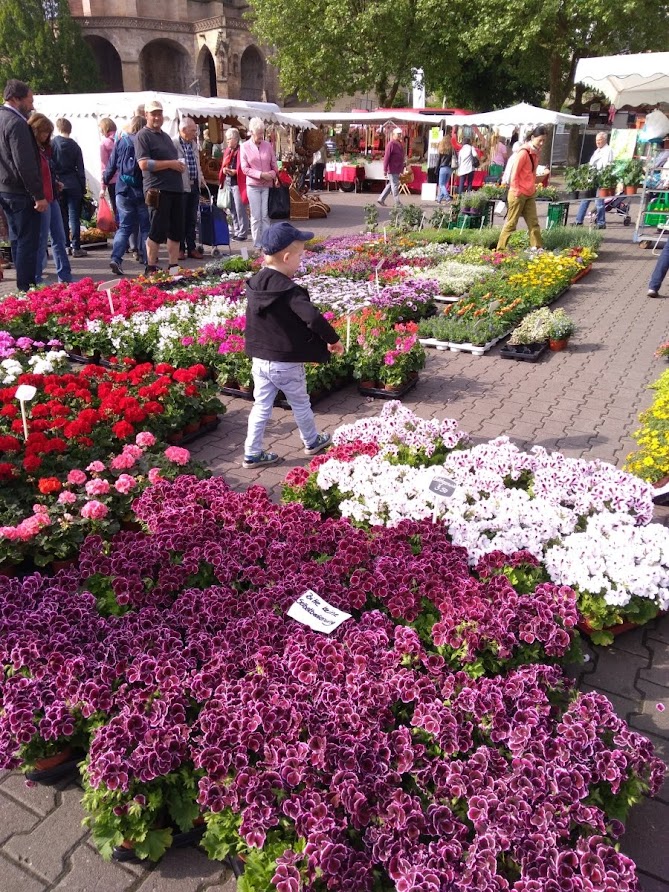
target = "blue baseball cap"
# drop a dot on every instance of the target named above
(279, 236)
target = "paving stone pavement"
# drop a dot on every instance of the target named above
(584, 402)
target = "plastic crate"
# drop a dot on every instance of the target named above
(558, 211)
(469, 221)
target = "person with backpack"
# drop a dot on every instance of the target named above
(522, 191)
(132, 210)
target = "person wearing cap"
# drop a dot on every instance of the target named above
(283, 331)
(162, 174)
(393, 165)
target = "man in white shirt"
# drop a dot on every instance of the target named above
(601, 158)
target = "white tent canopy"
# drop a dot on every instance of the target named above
(521, 115)
(364, 117)
(637, 79)
(84, 111)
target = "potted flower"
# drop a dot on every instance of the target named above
(528, 339)
(607, 180)
(573, 180)
(590, 181)
(561, 327)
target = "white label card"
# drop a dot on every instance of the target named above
(25, 392)
(311, 610)
(442, 486)
(245, 253)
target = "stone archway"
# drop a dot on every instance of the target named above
(164, 65)
(108, 61)
(252, 75)
(206, 73)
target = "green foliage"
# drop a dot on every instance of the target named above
(406, 217)
(325, 48)
(40, 43)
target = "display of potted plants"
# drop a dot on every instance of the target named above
(630, 173)
(561, 327)
(573, 180)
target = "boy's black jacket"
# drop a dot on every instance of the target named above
(282, 324)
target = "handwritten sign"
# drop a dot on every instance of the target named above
(311, 610)
(443, 487)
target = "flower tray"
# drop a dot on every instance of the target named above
(474, 349)
(204, 429)
(524, 352)
(90, 360)
(240, 394)
(87, 245)
(280, 400)
(585, 627)
(380, 393)
(581, 274)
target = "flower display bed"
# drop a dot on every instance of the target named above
(171, 659)
(584, 524)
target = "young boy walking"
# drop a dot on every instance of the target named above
(283, 331)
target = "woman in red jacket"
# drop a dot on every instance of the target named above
(229, 175)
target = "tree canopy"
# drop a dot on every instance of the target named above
(480, 56)
(40, 43)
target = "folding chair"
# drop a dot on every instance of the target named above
(405, 180)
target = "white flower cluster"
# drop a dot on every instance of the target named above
(586, 521)
(398, 426)
(615, 559)
(39, 364)
(432, 251)
(340, 295)
(454, 277)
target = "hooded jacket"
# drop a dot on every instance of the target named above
(282, 325)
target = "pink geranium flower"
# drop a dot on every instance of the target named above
(76, 476)
(178, 455)
(66, 498)
(94, 510)
(95, 467)
(125, 483)
(97, 487)
(145, 439)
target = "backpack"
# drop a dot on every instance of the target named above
(128, 169)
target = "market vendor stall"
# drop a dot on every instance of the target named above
(85, 110)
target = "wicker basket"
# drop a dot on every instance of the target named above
(406, 177)
(313, 140)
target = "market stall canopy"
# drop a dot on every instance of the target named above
(122, 106)
(637, 79)
(363, 117)
(521, 115)
(85, 110)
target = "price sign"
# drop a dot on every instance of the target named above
(24, 393)
(443, 487)
(311, 610)
(245, 253)
(107, 286)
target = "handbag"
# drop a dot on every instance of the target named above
(278, 203)
(475, 161)
(106, 221)
(224, 198)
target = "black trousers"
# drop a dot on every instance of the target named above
(191, 202)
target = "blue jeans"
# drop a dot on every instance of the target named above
(258, 197)
(240, 224)
(268, 379)
(70, 206)
(583, 210)
(52, 223)
(661, 268)
(393, 185)
(444, 179)
(132, 212)
(24, 224)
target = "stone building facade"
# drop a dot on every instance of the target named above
(195, 46)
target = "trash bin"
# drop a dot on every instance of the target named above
(558, 211)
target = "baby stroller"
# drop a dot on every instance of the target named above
(617, 205)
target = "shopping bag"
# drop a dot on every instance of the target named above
(500, 207)
(278, 206)
(224, 198)
(106, 221)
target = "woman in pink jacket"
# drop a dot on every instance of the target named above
(258, 164)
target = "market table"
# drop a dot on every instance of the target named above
(348, 177)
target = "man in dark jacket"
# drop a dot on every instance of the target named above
(21, 192)
(68, 162)
(283, 331)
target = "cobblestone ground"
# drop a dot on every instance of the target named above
(583, 402)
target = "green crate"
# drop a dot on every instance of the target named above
(558, 211)
(469, 221)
